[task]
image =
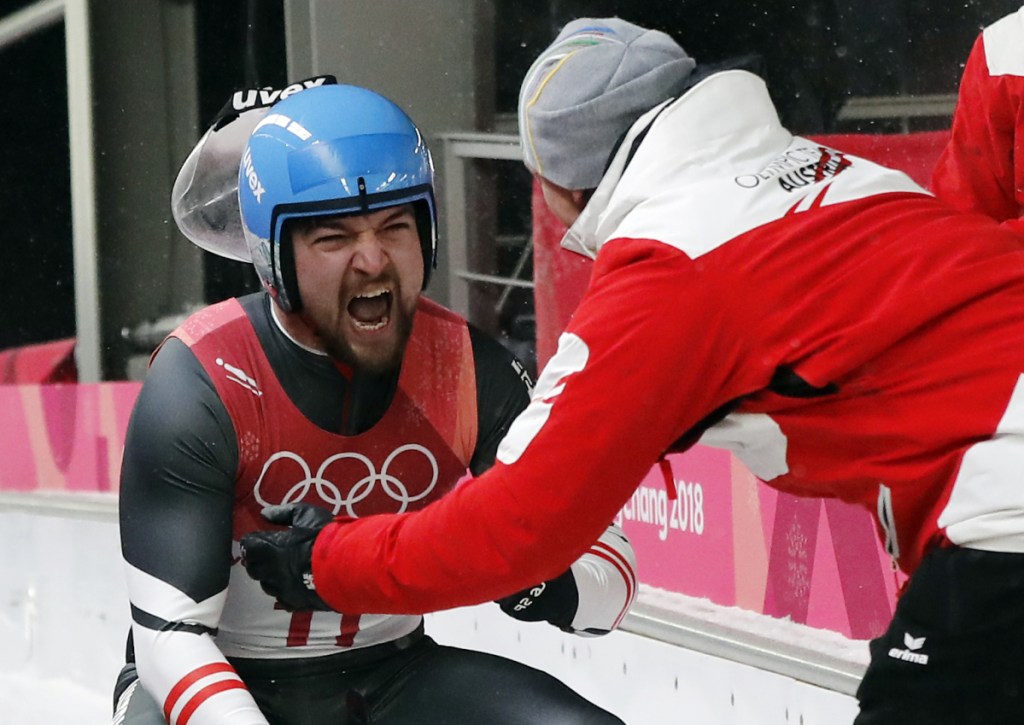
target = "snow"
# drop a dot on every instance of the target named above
(759, 628)
(63, 619)
(29, 699)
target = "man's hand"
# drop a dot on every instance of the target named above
(552, 601)
(282, 561)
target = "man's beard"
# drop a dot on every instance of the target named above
(339, 348)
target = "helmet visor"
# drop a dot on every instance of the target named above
(204, 200)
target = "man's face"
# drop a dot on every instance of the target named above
(566, 205)
(360, 278)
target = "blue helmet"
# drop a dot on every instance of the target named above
(329, 150)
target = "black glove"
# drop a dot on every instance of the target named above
(282, 561)
(554, 601)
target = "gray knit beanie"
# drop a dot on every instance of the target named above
(587, 89)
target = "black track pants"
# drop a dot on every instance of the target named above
(954, 653)
(423, 684)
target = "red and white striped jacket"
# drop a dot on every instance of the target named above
(982, 167)
(863, 340)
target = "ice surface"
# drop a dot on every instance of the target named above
(30, 700)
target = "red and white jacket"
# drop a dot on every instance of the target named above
(982, 167)
(865, 340)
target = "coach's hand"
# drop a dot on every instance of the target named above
(553, 601)
(282, 561)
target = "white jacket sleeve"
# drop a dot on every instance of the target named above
(606, 582)
(181, 666)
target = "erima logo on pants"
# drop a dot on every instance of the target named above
(910, 654)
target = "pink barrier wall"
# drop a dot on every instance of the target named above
(63, 437)
(727, 536)
(732, 539)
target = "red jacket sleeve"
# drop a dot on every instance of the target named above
(621, 389)
(982, 167)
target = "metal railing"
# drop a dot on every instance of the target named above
(899, 108)
(15, 28)
(458, 149)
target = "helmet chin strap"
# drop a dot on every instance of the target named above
(287, 276)
(276, 312)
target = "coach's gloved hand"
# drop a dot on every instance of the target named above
(552, 601)
(282, 561)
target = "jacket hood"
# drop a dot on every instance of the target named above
(721, 128)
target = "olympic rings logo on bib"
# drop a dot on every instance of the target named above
(317, 488)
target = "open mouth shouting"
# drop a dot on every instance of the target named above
(371, 310)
